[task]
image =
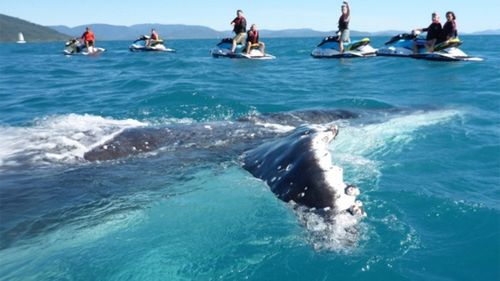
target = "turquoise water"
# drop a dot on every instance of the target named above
(425, 153)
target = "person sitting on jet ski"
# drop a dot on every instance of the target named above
(253, 40)
(450, 27)
(344, 34)
(434, 32)
(152, 38)
(88, 37)
(240, 27)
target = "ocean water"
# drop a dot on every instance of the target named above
(425, 152)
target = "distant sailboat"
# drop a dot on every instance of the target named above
(20, 37)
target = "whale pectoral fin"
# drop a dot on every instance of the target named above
(311, 187)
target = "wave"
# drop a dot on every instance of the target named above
(358, 149)
(58, 139)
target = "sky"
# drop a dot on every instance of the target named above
(366, 15)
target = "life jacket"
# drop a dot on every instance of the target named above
(253, 37)
(240, 25)
(238, 20)
(344, 22)
(88, 36)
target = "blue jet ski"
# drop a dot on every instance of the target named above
(402, 45)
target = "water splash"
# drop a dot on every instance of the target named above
(58, 139)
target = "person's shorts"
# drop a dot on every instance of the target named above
(255, 46)
(345, 36)
(431, 42)
(239, 38)
(420, 42)
(91, 43)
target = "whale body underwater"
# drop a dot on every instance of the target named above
(288, 151)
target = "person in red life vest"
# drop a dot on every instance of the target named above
(253, 40)
(239, 28)
(153, 37)
(434, 33)
(88, 38)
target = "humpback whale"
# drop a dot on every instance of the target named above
(288, 151)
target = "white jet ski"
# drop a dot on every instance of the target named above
(329, 48)
(402, 45)
(139, 45)
(75, 46)
(223, 49)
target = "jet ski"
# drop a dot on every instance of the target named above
(75, 46)
(329, 48)
(139, 45)
(223, 49)
(402, 45)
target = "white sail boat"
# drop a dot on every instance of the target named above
(20, 38)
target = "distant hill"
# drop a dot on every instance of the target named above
(120, 32)
(179, 31)
(10, 27)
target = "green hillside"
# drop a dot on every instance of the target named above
(10, 27)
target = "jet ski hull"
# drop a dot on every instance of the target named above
(135, 48)
(95, 51)
(223, 50)
(139, 45)
(74, 47)
(329, 48)
(251, 55)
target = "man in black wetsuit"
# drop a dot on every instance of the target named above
(239, 28)
(434, 31)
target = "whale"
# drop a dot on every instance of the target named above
(287, 151)
(176, 150)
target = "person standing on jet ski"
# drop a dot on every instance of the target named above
(88, 37)
(152, 38)
(240, 27)
(450, 27)
(434, 34)
(344, 34)
(253, 40)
